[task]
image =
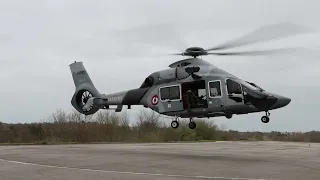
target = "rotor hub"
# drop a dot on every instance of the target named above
(195, 51)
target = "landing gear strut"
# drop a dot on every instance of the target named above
(175, 123)
(192, 124)
(266, 119)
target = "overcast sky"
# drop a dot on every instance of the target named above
(39, 39)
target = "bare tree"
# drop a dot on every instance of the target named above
(59, 116)
(147, 122)
(124, 119)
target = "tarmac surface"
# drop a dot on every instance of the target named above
(162, 161)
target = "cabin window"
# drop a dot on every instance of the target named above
(233, 87)
(170, 93)
(215, 89)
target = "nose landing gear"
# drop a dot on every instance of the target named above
(266, 119)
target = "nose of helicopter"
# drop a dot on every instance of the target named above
(281, 102)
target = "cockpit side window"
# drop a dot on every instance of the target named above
(233, 87)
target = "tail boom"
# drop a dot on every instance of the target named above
(130, 97)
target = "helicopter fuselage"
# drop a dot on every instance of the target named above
(215, 93)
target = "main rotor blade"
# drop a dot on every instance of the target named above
(263, 34)
(180, 54)
(256, 53)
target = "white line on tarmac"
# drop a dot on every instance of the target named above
(130, 173)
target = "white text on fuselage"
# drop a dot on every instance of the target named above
(115, 98)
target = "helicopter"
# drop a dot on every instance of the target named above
(189, 88)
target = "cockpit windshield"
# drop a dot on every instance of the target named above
(250, 85)
(253, 84)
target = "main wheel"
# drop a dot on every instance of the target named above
(265, 119)
(192, 125)
(229, 116)
(174, 124)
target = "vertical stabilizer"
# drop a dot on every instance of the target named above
(84, 89)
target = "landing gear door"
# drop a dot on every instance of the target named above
(234, 99)
(215, 101)
(170, 98)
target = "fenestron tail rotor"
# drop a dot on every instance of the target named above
(86, 95)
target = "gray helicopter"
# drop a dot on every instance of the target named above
(189, 88)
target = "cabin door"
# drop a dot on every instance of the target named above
(196, 93)
(215, 101)
(170, 97)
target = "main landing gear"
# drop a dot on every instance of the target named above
(175, 123)
(192, 124)
(266, 119)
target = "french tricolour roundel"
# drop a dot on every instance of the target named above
(154, 100)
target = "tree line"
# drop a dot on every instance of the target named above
(107, 126)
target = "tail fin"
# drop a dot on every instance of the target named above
(85, 89)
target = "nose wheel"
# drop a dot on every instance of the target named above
(266, 119)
